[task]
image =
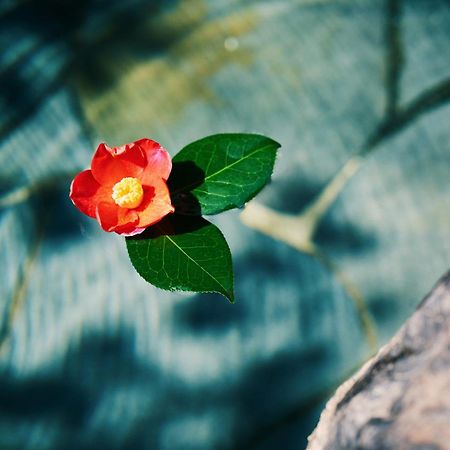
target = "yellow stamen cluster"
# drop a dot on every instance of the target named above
(128, 193)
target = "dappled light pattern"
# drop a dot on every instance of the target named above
(94, 357)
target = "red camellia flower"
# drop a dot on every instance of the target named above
(125, 189)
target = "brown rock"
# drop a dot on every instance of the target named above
(400, 399)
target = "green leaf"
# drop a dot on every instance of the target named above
(221, 172)
(183, 253)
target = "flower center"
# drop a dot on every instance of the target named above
(128, 193)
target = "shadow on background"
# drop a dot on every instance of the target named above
(70, 39)
(184, 177)
(51, 206)
(103, 366)
(101, 393)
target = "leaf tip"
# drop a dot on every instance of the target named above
(230, 297)
(228, 294)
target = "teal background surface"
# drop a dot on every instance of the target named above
(91, 356)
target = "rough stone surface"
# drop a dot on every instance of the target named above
(400, 399)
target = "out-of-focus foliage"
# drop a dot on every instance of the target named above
(94, 357)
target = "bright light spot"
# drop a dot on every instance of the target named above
(231, 44)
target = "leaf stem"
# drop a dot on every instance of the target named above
(365, 318)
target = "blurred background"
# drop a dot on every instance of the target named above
(356, 91)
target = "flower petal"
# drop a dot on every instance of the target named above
(86, 193)
(159, 163)
(110, 165)
(155, 205)
(113, 218)
(134, 232)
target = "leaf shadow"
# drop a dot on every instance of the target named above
(185, 177)
(344, 238)
(105, 366)
(172, 225)
(52, 204)
(82, 52)
(47, 201)
(290, 195)
(100, 365)
(280, 375)
(43, 397)
(208, 313)
(386, 310)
